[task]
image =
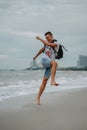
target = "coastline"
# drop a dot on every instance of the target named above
(65, 110)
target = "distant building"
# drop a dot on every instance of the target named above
(82, 62)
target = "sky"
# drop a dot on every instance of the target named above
(22, 20)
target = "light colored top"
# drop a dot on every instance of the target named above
(50, 52)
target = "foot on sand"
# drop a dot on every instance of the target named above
(37, 101)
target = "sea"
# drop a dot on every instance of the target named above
(17, 83)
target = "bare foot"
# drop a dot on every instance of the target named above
(37, 101)
(54, 83)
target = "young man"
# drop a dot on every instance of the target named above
(48, 61)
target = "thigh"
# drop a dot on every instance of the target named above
(46, 62)
(47, 72)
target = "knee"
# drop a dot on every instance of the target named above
(53, 63)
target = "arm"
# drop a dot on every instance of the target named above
(46, 43)
(39, 52)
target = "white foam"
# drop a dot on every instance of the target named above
(13, 89)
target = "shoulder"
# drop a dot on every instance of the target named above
(56, 43)
(57, 48)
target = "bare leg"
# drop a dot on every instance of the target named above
(42, 87)
(53, 72)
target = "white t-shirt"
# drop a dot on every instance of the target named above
(50, 49)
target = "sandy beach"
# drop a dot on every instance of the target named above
(65, 110)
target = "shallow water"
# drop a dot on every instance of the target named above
(16, 83)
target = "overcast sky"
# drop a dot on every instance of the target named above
(22, 20)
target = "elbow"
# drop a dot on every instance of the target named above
(41, 50)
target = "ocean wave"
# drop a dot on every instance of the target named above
(11, 89)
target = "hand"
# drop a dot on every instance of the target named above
(38, 38)
(34, 58)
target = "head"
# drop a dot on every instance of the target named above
(49, 36)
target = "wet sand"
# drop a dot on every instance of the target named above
(65, 110)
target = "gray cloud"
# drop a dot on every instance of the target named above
(21, 21)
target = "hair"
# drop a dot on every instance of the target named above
(48, 33)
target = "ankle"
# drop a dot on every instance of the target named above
(52, 81)
(38, 97)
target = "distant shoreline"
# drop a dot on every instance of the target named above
(41, 68)
(63, 68)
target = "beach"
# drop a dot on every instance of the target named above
(64, 110)
(41, 40)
